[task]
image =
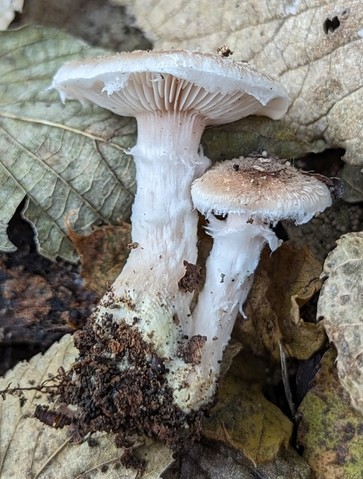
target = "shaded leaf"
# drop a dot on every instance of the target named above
(243, 417)
(99, 23)
(284, 282)
(63, 157)
(314, 48)
(331, 432)
(352, 177)
(215, 460)
(47, 453)
(341, 306)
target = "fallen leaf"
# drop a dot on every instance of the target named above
(243, 418)
(341, 308)
(63, 157)
(103, 254)
(98, 23)
(215, 460)
(284, 282)
(314, 48)
(352, 177)
(330, 431)
(30, 449)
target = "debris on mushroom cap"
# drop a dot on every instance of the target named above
(218, 88)
(269, 189)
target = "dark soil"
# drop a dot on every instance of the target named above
(40, 300)
(121, 389)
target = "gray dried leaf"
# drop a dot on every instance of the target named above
(314, 48)
(341, 307)
(352, 177)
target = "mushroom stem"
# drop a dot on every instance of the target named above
(164, 224)
(237, 245)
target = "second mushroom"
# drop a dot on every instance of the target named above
(251, 195)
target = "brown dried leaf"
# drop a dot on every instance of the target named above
(341, 306)
(330, 431)
(314, 48)
(243, 418)
(103, 254)
(283, 283)
(30, 449)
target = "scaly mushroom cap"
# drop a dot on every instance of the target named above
(218, 88)
(265, 188)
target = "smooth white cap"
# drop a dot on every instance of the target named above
(218, 88)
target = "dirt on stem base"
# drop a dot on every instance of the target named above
(118, 384)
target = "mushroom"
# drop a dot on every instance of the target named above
(174, 95)
(252, 194)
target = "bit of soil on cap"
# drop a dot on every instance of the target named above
(118, 384)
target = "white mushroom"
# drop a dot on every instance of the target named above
(174, 95)
(253, 194)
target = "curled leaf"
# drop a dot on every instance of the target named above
(284, 282)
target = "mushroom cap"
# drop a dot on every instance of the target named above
(260, 187)
(132, 83)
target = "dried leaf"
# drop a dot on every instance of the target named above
(243, 418)
(352, 177)
(215, 460)
(314, 48)
(341, 306)
(331, 432)
(64, 157)
(103, 254)
(46, 453)
(99, 23)
(283, 283)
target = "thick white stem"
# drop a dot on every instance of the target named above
(237, 245)
(164, 225)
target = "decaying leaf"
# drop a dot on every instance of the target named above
(8, 8)
(341, 306)
(352, 177)
(315, 48)
(331, 432)
(215, 460)
(63, 157)
(284, 281)
(97, 22)
(244, 418)
(30, 449)
(103, 254)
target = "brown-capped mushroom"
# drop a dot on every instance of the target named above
(252, 194)
(173, 95)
